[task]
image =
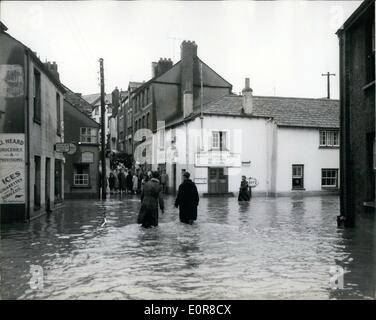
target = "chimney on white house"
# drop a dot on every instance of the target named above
(247, 98)
(154, 68)
(188, 61)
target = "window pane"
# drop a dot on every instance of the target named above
(322, 138)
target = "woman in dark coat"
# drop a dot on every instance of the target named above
(187, 200)
(244, 190)
(150, 197)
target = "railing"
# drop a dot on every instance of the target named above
(217, 158)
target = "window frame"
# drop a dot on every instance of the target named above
(222, 140)
(329, 186)
(37, 96)
(301, 176)
(329, 138)
(58, 114)
(86, 135)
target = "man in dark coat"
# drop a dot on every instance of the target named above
(150, 197)
(187, 200)
(129, 181)
(121, 179)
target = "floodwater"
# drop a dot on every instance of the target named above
(271, 248)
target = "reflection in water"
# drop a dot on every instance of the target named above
(278, 248)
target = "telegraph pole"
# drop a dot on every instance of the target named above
(103, 133)
(328, 74)
(201, 109)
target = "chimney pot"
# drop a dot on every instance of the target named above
(247, 98)
(247, 83)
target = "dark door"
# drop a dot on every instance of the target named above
(218, 181)
(174, 177)
(369, 180)
(37, 186)
(47, 183)
(58, 177)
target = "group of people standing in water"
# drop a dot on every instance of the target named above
(187, 200)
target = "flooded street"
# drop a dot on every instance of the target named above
(271, 248)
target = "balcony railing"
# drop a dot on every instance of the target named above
(217, 158)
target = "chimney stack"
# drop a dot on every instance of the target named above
(163, 66)
(154, 68)
(247, 98)
(188, 58)
(52, 68)
(115, 98)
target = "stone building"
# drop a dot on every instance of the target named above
(357, 115)
(31, 123)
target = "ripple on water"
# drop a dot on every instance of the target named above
(271, 248)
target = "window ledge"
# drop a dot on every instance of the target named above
(81, 187)
(37, 121)
(369, 85)
(328, 147)
(370, 204)
(329, 188)
(298, 189)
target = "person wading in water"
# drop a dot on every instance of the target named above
(187, 200)
(150, 197)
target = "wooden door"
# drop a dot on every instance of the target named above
(217, 181)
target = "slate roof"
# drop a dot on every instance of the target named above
(292, 112)
(95, 98)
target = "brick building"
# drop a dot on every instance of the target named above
(172, 94)
(357, 116)
(31, 123)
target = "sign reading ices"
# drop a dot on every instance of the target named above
(11, 81)
(12, 168)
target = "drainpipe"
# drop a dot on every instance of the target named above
(186, 145)
(27, 162)
(269, 153)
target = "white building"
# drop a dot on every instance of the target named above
(287, 145)
(95, 100)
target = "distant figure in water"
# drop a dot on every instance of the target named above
(244, 194)
(187, 200)
(151, 196)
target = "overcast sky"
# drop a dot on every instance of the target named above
(283, 46)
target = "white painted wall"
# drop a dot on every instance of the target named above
(272, 151)
(301, 146)
(43, 137)
(245, 136)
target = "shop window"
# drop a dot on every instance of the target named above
(81, 175)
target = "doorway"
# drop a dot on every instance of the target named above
(58, 177)
(218, 181)
(47, 184)
(37, 181)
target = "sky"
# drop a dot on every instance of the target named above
(282, 46)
